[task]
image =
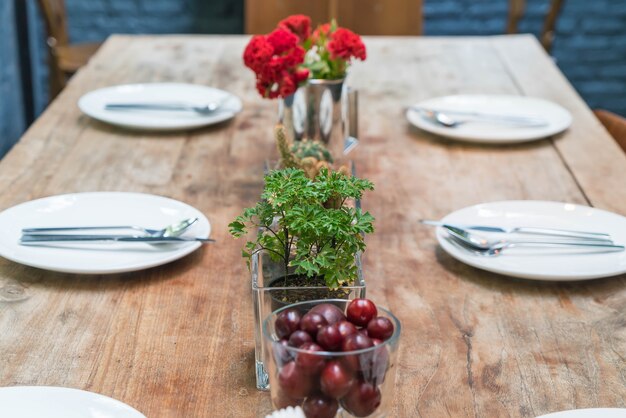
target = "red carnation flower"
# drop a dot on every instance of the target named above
(282, 40)
(300, 25)
(257, 53)
(346, 45)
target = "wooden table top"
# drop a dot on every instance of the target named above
(177, 340)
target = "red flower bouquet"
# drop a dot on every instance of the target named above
(288, 56)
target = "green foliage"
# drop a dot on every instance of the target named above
(319, 63)
(297, 229)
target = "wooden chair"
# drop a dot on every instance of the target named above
(615, 124)
(64, 58)
(365, 17)
(516, 12)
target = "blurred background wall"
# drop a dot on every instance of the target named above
(590, 43)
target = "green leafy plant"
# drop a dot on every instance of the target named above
(298, 228)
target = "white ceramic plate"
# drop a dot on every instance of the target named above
(557, 117)
(58, 402)
(93, 104)
(542, 264)
(589, 413)
(99, 208)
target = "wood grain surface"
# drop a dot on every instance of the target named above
(177, 340)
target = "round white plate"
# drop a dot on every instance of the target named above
(589, 413)
(101, 209)
(58, 402)
(557, 117)
(93, 104)
(542, 264)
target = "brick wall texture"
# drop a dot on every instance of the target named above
(11, 117)
(590, 45)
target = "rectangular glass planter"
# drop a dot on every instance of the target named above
(266, 298)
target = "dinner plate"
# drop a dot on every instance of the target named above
(101, 209)
(558, 119)
(93, 104)
(58, 402)
(589, 413)
(542, 263)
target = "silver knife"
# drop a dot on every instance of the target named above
(587, 235)
(34, 238)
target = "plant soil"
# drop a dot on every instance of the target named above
(302, 290)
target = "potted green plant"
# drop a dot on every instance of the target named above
(308, 242)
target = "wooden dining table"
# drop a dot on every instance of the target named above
(177, 340)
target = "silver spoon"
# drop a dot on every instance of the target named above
(173, 230)
(445, 119)
(203, 110)
(482, 246)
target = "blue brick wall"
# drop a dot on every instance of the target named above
(590, 43)
(11, 110)
(590, 46)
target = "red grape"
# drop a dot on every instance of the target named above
(361, 311)
(346, 328)
(310, 362)
(299, 337)
(320, 407)
(311, 322)
(380, 327)
(336, 380)
(362, 400)
(287, 322)
(330, 312)
(329, 338)
(294, 383)
(356, 341)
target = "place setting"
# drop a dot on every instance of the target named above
(101, 232)
(489, 119)
(160, 106)
(536, 239)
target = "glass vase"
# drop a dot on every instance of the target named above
(361, 382)
(269, 294)
(316, 111)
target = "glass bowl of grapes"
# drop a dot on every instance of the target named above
(333, 358)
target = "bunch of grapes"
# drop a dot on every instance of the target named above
(321, 382)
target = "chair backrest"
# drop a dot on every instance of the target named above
(516, 12)
(56, 21)
(365, 17)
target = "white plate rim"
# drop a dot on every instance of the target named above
(472, 261)
(72, 392)
(575, 413)
(416, 120)
(184, 250)
(190, 124)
